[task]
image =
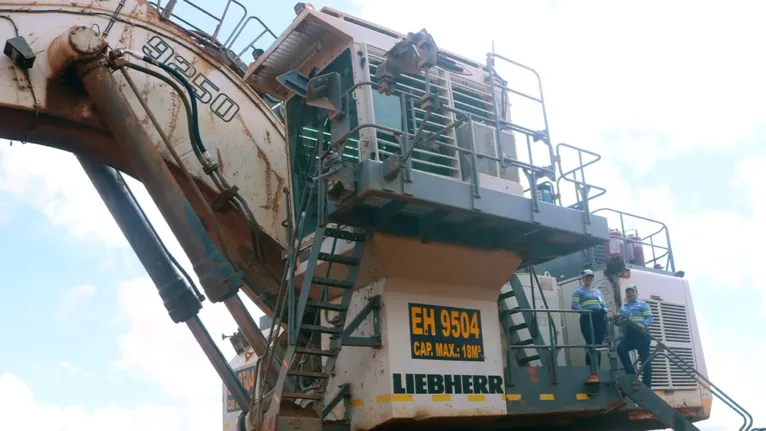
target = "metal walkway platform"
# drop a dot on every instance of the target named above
(440, 209)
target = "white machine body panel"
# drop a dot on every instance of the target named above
(441, 355)
(675, 324)
(238, 129)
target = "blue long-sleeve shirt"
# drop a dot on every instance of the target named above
(588, 299)
(639, 312)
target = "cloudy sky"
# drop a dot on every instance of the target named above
(671, 94)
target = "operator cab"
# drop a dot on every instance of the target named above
(415, 141)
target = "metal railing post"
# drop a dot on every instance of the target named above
(591, 351)
(495, 109)
(474, 159)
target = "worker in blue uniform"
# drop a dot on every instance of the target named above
(639, 313)
(589, 298)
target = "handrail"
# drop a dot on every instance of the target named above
(167, 11)
(418, 139)
(499, 123)
(691, 372)
(668, 249)
(559, 346)
(554, 346)
(586, 188)
(533, 273)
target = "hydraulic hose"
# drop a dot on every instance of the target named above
(197, 139)
(187, 106)
(211, 167)
(185, 172)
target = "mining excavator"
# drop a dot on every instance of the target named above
(393, 209)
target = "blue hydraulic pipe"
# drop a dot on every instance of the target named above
(180, 299)
(178, 296)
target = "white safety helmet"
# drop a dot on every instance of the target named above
(586, 272)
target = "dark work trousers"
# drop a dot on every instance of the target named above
(636, 340)
(599, 328)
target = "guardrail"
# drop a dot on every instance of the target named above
(553, 347)
(229, 19)
(650, 240)
(663, 350)
(501, 123)
(582, 188)
(411, 141)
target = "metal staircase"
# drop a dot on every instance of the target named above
(304, 350)
(521, 326)
(605, 398)
(306, 366)
(644, 397)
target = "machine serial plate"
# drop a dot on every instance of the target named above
(246, 376)
(445, 333)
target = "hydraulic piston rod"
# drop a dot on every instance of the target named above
(219, 279)
(179, 298)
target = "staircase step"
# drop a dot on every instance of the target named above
(315, 352)
(308, 374)
(507, 294)
(520, 326)
(300, 396)
(654, 404)
(511, 311)
(326, 306)
(337, 258)
(524, 342)
(344, 234)
(527, 360)
(341, 284)
(322, 329)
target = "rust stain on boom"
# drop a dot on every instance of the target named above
(64, 117)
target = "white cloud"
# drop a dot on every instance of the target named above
(73, 297)
(55, 184)
(155, 349)
(648, 71)
(732, 363)
(152, 348)
(20, 410)
(67, 366)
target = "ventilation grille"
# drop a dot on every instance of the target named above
(671, 322)
(442, 159)
(472, 97)
(675, 323)
(669, 375)
(598, 254)
(656, 328)
(671, 326)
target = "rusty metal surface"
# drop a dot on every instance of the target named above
(216, 276)
(77, 43)
(57, 112)
(249, 137)
(309, 41)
